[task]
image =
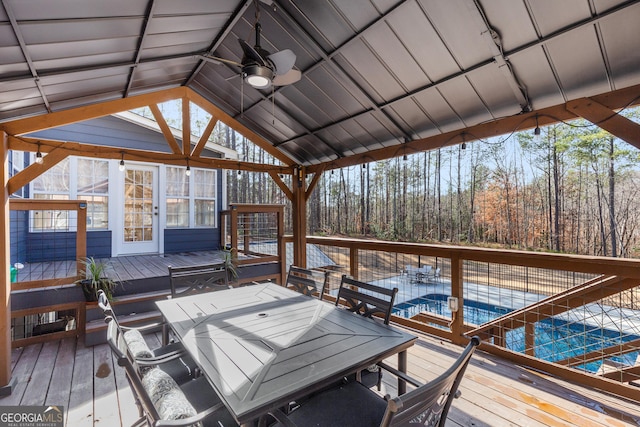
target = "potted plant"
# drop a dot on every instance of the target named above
(229, 263)
(95, 280)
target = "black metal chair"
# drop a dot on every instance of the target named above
(197, 279)
(367, 300)
(172, 358)
(306, 281)
(160, 400)
(354, 405)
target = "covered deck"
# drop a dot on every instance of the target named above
(495, 392)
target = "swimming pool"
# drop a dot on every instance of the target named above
(555, 338)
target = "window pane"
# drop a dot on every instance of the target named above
(93, 176)
(177, 182)
(97, 211)
(177, 212)
(55, 180)
(205, 183)
(50, 220)
(205, 211)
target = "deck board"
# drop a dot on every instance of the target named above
(495, 392)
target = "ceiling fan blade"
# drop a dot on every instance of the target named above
(287, 78)
(283, 61)
(218, 60)
(251, 54)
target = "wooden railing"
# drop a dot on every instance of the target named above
(38, 284)
(526, 294)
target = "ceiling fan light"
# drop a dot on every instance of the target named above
(258, 76)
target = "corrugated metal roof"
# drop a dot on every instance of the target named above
(374, 73)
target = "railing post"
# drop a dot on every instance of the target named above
(6, 385)
(354, 262)
(529, 338)
(457, 291)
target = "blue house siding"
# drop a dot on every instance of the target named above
(51, 246)
(191, 239)
(99, 244)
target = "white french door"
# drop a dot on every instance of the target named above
(138, 228)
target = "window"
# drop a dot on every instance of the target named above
(16, 162)
(205, 197)
(177, 197)
(93, 186)
(191, 200)
(52, 185)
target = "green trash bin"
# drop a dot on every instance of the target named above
(14, 274)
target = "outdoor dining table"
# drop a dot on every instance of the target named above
(264, 346)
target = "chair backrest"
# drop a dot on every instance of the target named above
(429, 404)
(198, 279)
(307, 281)
(366, 299)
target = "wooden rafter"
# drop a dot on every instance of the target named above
(186, 126)
(280, 183)
(607, 119)
(546, 116)
(203, 103)
(75, 115)
(197, 150)
(165, 129)
(34, 170)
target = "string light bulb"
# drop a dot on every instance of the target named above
(188, 171)
(122, 167)
(536, 131)
(39, 158)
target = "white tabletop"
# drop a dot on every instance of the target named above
(262, 346)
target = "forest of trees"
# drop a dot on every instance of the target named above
(574, 189)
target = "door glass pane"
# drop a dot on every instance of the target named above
(138, 210)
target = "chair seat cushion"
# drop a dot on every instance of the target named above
(202, 396)
(351, 404)
(166, 396)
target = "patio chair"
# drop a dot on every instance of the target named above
(172, 358)
(197, 279)
(307, 281)
(354, 405)
(367, 300)
(160, 400)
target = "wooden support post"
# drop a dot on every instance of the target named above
(354, 261)
(457, 291)
(529, 338)
(6, 383)
(299, 205)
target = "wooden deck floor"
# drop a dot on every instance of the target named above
(125, 268)
(94, 390)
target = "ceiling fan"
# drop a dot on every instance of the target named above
(259, 68)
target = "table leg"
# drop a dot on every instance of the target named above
(402, 367)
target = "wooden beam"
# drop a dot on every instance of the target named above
(5, 278)
(186, 126)
(197, 150)
(34, 170)
(607, 119)
(280, 183)
(299, 215)
(313, 183)
(165, 129)
(104, 152)
(203, 103)
(612, 100)
(74, 115)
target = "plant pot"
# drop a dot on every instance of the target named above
(88, 290)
